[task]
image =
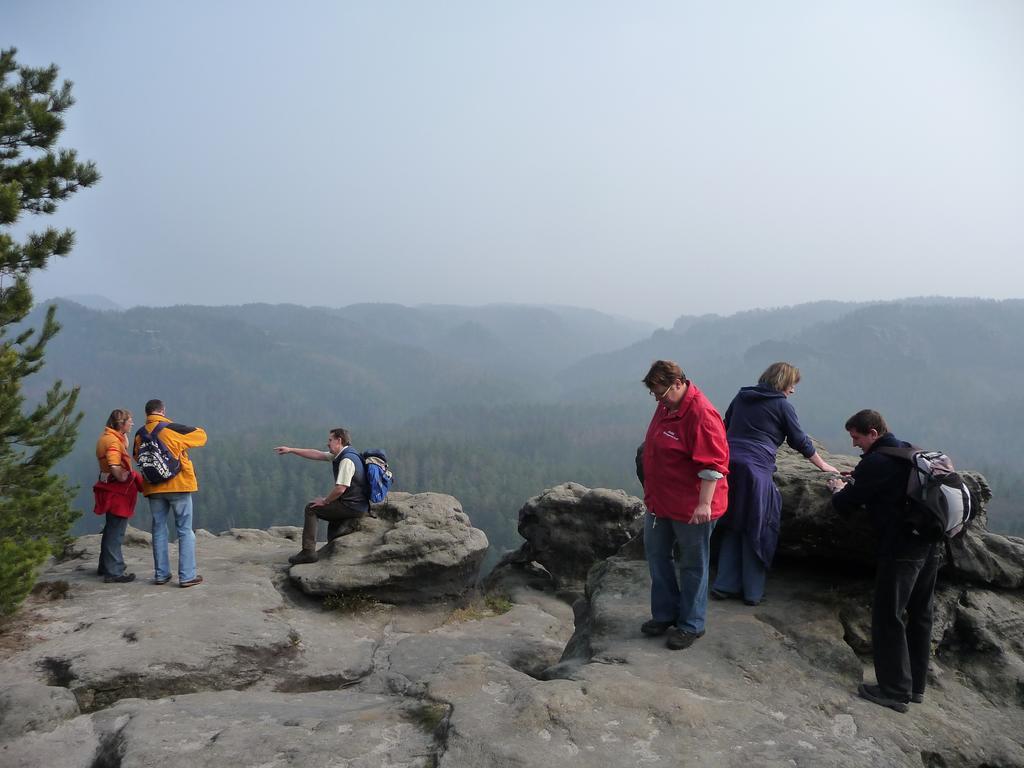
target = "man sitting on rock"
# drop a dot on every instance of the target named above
(906, 569)
(348, 499)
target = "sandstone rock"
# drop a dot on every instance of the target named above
(30, 706)
(134, 537)
(812, 530)
(418, 547)
(290, 532)
(512, 575)
(235, 728)
(984, 642)
(526, 638)
(988, 558)
(568, 528)
(772, 685)
(112, 641)
(280, 680)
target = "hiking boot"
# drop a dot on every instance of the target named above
(874, 694)
(191, 582)
(654, 628)
(303, 557)
(917, 698)
(124, 578)
(679, 639)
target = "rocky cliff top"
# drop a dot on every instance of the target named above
(256, 668)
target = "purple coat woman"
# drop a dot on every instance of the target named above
(757, 421)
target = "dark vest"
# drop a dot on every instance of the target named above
(356, 496)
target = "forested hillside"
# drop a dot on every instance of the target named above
(461, 398)
(494, 404)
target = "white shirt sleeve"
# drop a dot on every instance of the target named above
(346, 471)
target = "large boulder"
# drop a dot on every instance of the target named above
(570, 527)
(812, 530)
(417, 547)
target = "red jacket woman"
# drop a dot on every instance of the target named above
(115, 494)
(685, 463)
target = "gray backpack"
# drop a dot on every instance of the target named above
(939, 503)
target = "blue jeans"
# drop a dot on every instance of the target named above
(111, 561)
(740, 570)
(160, 504)
(683, 601)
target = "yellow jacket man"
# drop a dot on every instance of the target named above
(173, 495)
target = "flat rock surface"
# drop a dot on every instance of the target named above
(526, 638)
(242, 670)
(777, 682)
(107, 641)
(238, 728)
(249, 670)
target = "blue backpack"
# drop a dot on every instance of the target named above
(379, 477)
(157, 464)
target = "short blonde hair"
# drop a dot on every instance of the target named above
(780, 376)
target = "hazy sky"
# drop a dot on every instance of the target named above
(643, 158)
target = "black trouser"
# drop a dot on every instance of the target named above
(904, 582)
(334, 513)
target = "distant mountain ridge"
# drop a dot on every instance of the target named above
(90, 300)
(299, 363)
